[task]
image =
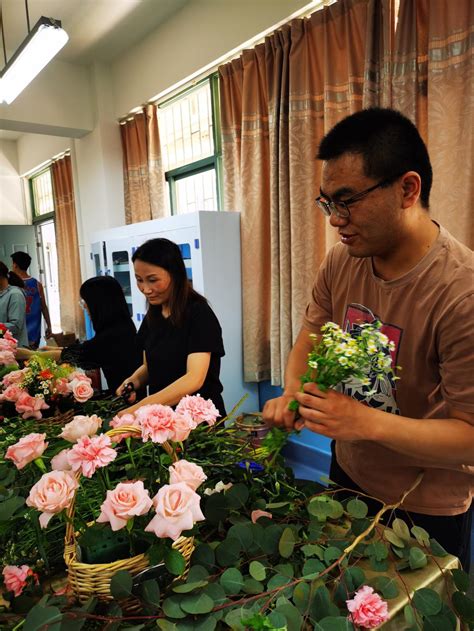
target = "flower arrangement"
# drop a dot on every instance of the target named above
(42, 384)
(338, 355)
(8, 345)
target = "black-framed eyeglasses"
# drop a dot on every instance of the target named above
(340, 208)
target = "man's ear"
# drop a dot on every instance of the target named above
(411, 189)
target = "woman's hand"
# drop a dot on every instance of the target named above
(124, 388)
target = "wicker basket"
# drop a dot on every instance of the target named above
(93, 580)
(52, 424)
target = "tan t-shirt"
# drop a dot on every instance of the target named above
(429, 314)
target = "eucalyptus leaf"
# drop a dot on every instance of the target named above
(437, 549)
(427, 601)
(228, 552)
(393, 538)
(175, 563)
(401, 529)
(257, 571)
(186, 588)
(301, 596)
(421, 535)
(204, 555)
(40, 618)
(243, 534)
(121, 584)
(172, 607)
(197, 603)
(461, 580)
(232, 581)
(357, 508)
(252, 586)
(336, 623)
(464, 606)
(150, 592)
(417, 558)
(287, 543)
(292, 615)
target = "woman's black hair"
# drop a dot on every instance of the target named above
(166, 254)
(106, 302)
(13, 279)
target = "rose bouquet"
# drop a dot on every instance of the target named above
(43, 384)
(8, 345)
(337, 356)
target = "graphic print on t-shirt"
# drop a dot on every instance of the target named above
(384, 395)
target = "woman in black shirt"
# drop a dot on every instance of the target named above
(181, 336)
(114, 347)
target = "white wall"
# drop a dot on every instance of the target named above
(35, 149)
(201, 32)
(12, 208)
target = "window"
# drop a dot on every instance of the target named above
(191, 148)
(42, 194)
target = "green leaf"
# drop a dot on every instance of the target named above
(464, 606)
(121, 584)
(401, 529)
(197, 603)
(150, 592)
(356, 576)
(237, 495)
(292, 615)
(197, 573)
(331, 554)
(313, 549)
(421, 535)
(312, 569)
(271, 539)
(285, 569)
(321, 605)
(232, 581)
(358, 526)
(335, 509)
(9, 507)
(40, 618)
(409, 615)
(461, 580)
(278, 581)
(417, 558)
(377, 550)
(437, 549)
(287, 543)
(228, 552)
(427, 601)
(257, 571)
(318, 508)
(204, 555)
(251, 586)
(277, 621)
(440, 622)
(357, 508)
(187, 587)
(301, 596)
(216, 592)
(243, 534)
(172, 608)
(156, 553)
(166, 625)
(217, 507)
(336, 623)
(387, 586)
(175, 563)
(393, 538)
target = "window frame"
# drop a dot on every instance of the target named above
(37, 218)
(213, 161)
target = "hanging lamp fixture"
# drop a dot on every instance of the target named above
(42, 43)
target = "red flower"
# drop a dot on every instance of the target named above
(46, 374)
(3, 328)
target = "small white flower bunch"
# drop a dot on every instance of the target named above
(338, 355)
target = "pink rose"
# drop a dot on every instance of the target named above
(177, 509)
(126, 420)
(7, 357)
(26, 450)
(88, 454)
(256, 514)
(30, 406)
(81, 426)
(156, 422)
(81, 389)
(367, 609)
(198, 409)
(187, 472)
(126, 501)
(9, 336)
(15, 376)
(60, 461)
(15, 577)
(61, 386)
(182, 426)
(78, 375)
(11, 393)
(52, 493)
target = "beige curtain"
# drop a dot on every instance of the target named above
(277, 101)
(145, 186)
(69, 269)
(433, 84)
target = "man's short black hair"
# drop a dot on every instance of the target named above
(388, 142)
(22, 259)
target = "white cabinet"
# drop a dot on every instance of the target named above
(210, 245)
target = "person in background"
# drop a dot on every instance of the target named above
(181, 335)
(393, 264)
(13, 305)
(35, 299)
(114, 347)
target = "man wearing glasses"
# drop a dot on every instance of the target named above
(396, 265)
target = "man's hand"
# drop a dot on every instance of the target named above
(276, 412)
(336, 415)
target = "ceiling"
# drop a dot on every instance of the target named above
(99, 30)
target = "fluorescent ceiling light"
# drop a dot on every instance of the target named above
(43, 42)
